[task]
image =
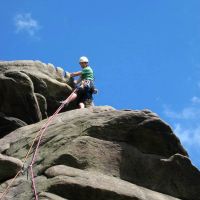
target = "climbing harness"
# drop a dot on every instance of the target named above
(40, 135)
(86, 83)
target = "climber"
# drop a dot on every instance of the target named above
(85, 84)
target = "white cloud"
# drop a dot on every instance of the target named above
(25, 23)
(195, 100)
(185, 113)
(188, 136)
(186, 122)
(186, 125)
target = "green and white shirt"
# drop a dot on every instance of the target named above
(87, 73)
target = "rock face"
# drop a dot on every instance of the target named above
(96, 153)
(8, 124)
(31, 91)
(100, 153)
(9, 167)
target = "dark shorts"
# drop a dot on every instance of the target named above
(85, 93)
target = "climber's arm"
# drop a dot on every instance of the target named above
(75, 74)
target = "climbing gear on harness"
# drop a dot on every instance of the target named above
(90, 84)
(86, 83)
(40, 135)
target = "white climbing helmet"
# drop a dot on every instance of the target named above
(83, 59)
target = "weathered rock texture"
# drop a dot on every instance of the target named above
(104, 154)
(9, 167)
(8, 124)
(96, 153)
(30, 91)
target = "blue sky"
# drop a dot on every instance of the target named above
(145, 54)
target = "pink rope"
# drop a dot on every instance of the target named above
(43, 129)
(33, 183)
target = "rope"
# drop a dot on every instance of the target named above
(40, 134)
